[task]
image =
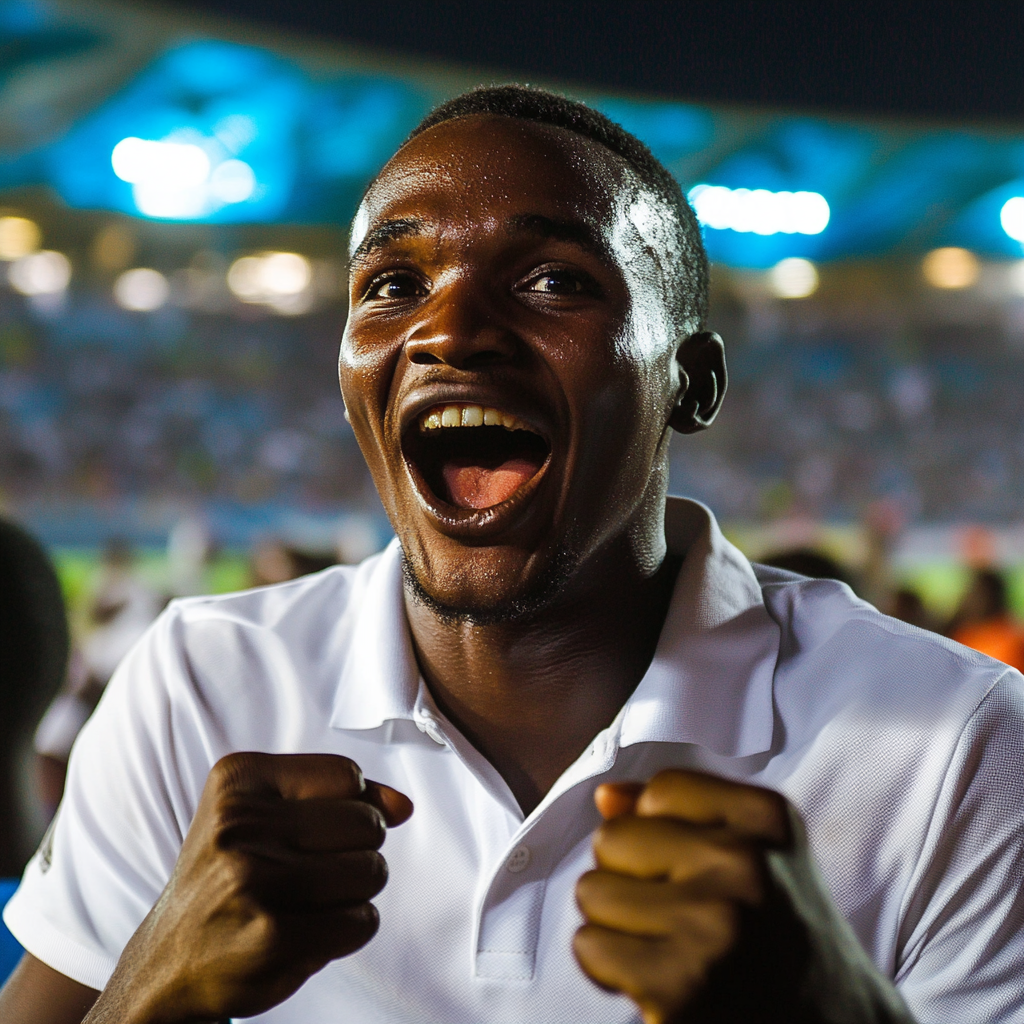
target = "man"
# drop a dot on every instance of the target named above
(528, 292)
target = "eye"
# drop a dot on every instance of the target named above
(557, 282)
(395, 286)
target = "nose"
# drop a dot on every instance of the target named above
(458, 330)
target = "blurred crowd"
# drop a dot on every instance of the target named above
(98, 403)
(983, 619)
(241, 405)
(821, 420)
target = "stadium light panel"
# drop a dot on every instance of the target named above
(760, 211)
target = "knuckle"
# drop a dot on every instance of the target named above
(348, 768)
(378, 870)
(362, 922)
(230, 818)
(373, 822)
(771, 810)
(722, 927)
(369, 874)
(588, 887)
(264, 931)
(234, 767)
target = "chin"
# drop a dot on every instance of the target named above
(481, 591)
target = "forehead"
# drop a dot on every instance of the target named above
(485, 167)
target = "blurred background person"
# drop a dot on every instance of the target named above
(120, 609)
(34, 646)
(273, 561)
(809, 562)
(983, 620)
(907, 605)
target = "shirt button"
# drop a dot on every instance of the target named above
(518, 860)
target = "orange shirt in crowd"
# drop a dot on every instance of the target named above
(999, 638)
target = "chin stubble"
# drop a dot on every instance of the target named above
(523, 606)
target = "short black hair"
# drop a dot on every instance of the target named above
(690, 284)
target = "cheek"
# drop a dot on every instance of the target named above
(365, 369)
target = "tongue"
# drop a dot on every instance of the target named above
(471, 485)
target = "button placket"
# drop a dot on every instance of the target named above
(509, 922)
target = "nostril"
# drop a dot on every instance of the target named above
(424, 358)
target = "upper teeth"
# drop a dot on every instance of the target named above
(469, 416)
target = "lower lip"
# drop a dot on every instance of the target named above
(475, 524)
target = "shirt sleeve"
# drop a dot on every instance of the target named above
(962, 934)
(134, 780)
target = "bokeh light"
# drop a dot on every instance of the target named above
(142, 290)
(793, 278)
(1011, 216)
(41, 273)
(19, 236)
(951, 267)
(276, 279)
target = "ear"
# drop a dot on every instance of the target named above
(702, 382)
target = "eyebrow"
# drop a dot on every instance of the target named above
(574, 231)
(382, 234)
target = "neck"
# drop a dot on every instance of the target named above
(531, 694)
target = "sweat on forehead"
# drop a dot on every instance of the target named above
(487, 154)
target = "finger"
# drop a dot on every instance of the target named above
(665, 848)
(324, 935)
(395, 806)
(325, 823)
(643, 907)
(615, 799)
(291, 776)
(659, 975)
(709, 800)
(292, 879)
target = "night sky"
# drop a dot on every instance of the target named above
(951, 60)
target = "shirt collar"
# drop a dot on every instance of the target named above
(710, 682)
(379, 678)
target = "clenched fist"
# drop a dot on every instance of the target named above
(705, 906)
(273, 881)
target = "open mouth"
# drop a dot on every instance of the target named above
(474, 456)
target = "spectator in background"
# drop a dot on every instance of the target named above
(811, 563)
(34, 642)
(273, 561)
(122, 606)
(983, 620)
(907, 606)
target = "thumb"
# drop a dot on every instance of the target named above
(614, 799)
(396, 807)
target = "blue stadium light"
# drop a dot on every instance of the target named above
(759, 211)
(1012, 218)
(181, 180)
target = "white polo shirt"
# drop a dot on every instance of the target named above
(903, 751)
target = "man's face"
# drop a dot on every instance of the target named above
(508, 364)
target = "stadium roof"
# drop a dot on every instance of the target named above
(160, 115)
